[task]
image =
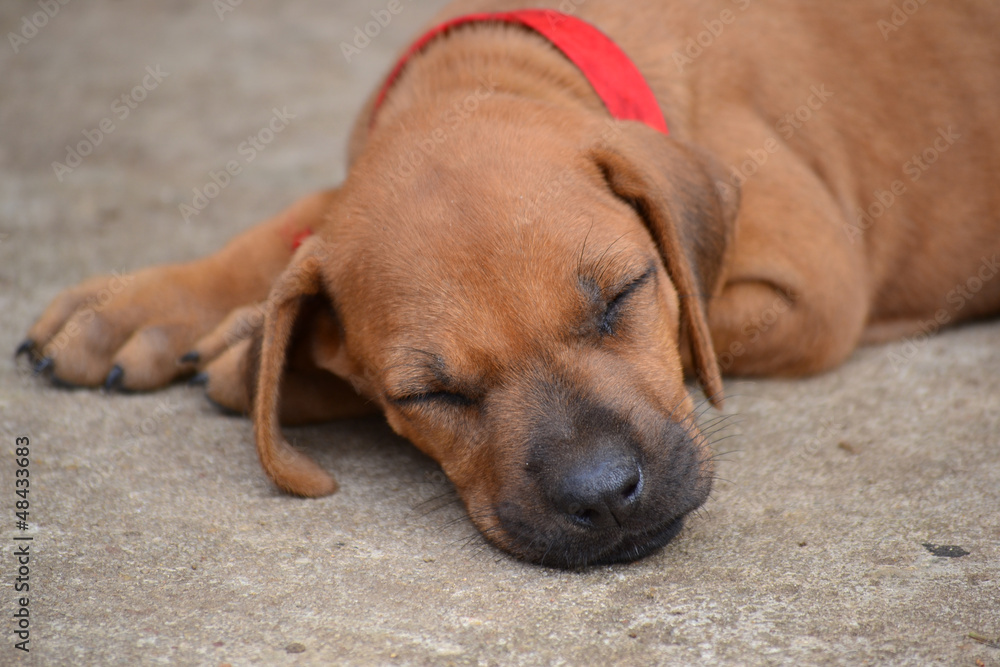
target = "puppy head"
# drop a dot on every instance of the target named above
(516, 302)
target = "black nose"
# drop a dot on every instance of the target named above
(600, 491)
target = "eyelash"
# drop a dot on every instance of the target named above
(450, 397)
(612, 312)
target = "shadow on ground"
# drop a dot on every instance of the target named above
(158, 539)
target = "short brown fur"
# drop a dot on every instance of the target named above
(523, 299)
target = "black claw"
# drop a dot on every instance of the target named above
(27, 346)
(191, 357)
(114, 379)
(199, 380)
(43, 365)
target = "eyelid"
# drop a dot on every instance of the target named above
(434, 396)
(607, 324)
(634, 284)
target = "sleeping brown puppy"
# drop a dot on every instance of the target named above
(524, 261)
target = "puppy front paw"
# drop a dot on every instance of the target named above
(124, 331)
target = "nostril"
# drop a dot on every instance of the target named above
(631, 493)
(586, 516)
(601, 491)
(633, 486)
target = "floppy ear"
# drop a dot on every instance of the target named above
(290, 469)
(672, 186)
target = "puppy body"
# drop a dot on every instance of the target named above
(866, 156)
(520, 282)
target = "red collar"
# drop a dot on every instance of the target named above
(614, 77)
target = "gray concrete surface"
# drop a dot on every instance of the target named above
(157, 539)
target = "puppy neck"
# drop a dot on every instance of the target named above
(483, 60)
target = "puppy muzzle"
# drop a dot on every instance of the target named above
(612, 491)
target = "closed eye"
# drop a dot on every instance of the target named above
(612, 314)
(452, 398)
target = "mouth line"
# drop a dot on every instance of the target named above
(628, 551)
(626, 548)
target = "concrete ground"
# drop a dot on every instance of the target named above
(157, 538)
